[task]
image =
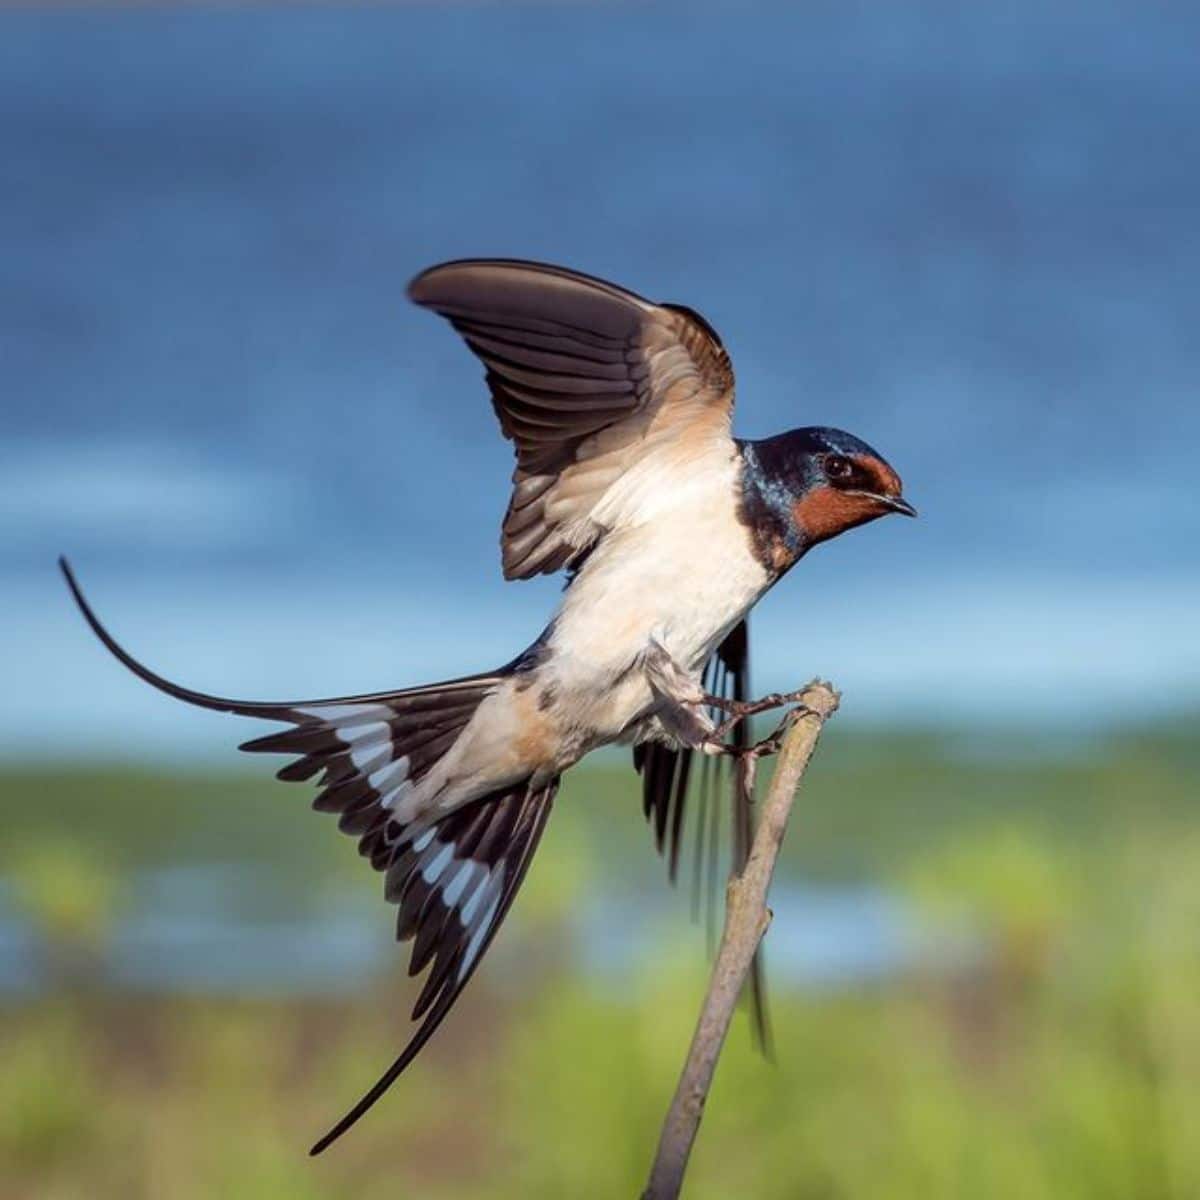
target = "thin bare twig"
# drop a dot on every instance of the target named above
(746, 920)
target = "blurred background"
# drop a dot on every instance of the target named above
(966, 233)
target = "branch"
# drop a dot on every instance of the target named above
(746, 920)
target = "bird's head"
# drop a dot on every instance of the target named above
(808, 485)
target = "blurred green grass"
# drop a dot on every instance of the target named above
(1064, 1062)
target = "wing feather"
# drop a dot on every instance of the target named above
(579, 370)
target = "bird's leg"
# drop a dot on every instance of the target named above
(682, 703)
(679, 698)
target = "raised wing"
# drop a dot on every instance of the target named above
(587, 379)
(669, 779)
(453, 880)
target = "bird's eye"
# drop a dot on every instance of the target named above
(837, 467)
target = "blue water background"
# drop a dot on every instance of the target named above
(967, 233)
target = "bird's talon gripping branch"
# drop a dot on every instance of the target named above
(715, 744)
(773, 741)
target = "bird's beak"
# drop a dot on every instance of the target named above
(896, 504)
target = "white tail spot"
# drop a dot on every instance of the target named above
(438, 864)
(389, 776)
(452, 892)
(476, 942)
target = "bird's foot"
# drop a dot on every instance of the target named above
(738, 710)
(774, 740)
(716, 745)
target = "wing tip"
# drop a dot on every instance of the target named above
(422, 288)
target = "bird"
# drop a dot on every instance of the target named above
(668, 528)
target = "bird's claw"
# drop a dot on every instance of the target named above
(715, 743)
(740, 709)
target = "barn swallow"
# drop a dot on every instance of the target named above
(669, 530)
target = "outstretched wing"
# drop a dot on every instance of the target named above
(587, 380)
(669, 778)
(453, 880)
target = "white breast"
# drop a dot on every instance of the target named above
(678, 570)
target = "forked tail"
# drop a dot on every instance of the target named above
(453, 879)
